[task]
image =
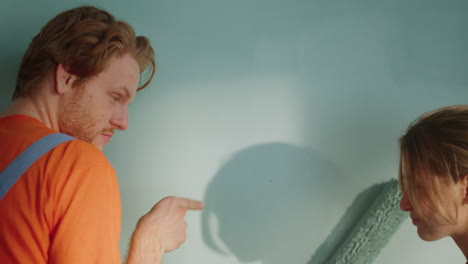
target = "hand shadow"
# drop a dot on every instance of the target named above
(271, 202)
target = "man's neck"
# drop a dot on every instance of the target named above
(34, 108)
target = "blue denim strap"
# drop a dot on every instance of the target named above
(15, 169)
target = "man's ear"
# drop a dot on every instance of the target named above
(63, 79)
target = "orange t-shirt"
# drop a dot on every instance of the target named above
(65, 208)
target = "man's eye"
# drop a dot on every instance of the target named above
(115, 97)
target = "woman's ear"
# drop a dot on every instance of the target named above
(464, 184)
(63, 79)
(464, 181)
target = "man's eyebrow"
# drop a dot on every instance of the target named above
(127, 92)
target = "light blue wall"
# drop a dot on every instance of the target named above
(277, 113)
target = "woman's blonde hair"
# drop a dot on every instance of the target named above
(434, 155)
(82, 39)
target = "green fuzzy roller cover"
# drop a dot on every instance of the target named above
(373, 230)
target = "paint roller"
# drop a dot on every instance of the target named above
(373, 230)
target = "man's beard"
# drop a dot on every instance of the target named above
(77, 122)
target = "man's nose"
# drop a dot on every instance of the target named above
(120, 120)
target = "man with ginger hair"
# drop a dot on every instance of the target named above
(77, 78)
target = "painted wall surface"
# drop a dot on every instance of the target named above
(278, 114)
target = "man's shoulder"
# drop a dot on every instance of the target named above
(78, 163)
(18, 133)
(78, 151)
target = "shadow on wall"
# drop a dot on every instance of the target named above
(9, 65)
(270, 202)
(275, 203)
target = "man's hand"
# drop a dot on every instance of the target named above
(162, 229)
(165, 221)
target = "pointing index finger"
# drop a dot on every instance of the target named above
(191, 204)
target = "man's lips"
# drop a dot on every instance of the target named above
(107, 136)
